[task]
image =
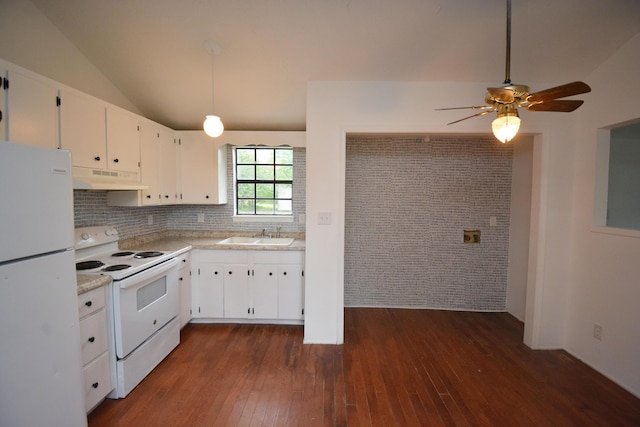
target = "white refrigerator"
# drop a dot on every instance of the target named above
(40, 355)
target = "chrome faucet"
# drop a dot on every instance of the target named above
(278, 228)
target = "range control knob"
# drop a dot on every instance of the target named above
(85, 236)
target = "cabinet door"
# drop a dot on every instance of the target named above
(202, 171)
(150, 164)
(82, 130)
(184, 281)
(290, 291)
(123, 141)
(168, 174)
(208, 291)
(32, 111)
(3, 104)
(236, 291)
(265, 291)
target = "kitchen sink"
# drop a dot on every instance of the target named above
(264, 241)
(238, 240)
(278, 241)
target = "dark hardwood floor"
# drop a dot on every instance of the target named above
(396, 368)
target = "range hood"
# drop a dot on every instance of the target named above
(99, 179)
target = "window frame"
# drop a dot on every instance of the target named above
(255, 182)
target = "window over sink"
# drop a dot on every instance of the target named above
(263, 181)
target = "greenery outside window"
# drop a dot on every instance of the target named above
(263, 180)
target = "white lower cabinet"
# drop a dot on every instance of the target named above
(243, 285)
(94, 338)
(184, 277)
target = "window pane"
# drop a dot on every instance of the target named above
(284, 173)
(245, 173)
(283, 191)
(245, 155)
(283, 207)
(265, 207)
(284, 156)
(264, 191)
(264, 173)
(246, 207)
(246, 191)
(264, 156)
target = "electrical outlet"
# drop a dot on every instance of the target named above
(493, 221)
(324, 218)
(302, 218)
(150, 220)
(597, 331)
(200, 217)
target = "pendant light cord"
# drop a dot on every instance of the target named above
(212, 84)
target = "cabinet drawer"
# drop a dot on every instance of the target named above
(97, 381)
(93, 335)
(91, 301)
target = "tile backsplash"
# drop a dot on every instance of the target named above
(408, 202)
(90, 208)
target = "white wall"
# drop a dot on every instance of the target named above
(30, 40)
(605, 278)
(521, 182)
(335, 108)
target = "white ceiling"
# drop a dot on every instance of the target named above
(152, 50)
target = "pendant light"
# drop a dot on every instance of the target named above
(212, 124)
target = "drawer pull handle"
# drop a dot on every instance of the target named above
(116, 160)
(92, 339)
(94, 385)
(270, 274)
(96, 158)
(88, 303)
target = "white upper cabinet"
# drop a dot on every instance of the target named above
(203, 171)
(32, 116)
(168, 172)
(82, 129)
(123, 140)
(150, 165)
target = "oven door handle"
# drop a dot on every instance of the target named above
(156, 270)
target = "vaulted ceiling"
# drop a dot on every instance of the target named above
(152, 50)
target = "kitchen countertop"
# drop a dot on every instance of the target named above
(178, 240)
(89, 282)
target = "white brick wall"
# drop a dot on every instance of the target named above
(407, 205)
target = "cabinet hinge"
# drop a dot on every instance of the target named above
(198, 309)
(249, 310)
(58, 101)
(302, 273)
(303, 311)
(248, 272)
(5, 83)
(179, 141)
(138, 128)
(198, 271)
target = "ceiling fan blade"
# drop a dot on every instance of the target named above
(569, 89)
(565, 106)
(479, 107)
(504, 96)
(475, 115)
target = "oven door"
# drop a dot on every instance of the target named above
(144, 303)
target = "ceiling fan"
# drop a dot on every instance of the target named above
(506, 99)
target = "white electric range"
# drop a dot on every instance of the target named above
(144, 302)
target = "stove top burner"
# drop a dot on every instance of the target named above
(121, 254)
(116, 267)
(149, 254)
(88, 265)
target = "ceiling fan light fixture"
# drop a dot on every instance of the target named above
(505, 127)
